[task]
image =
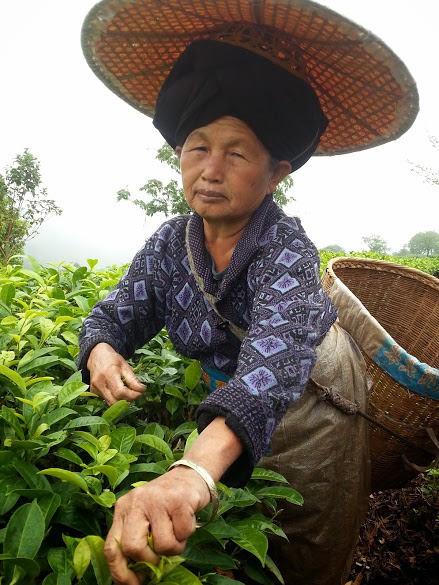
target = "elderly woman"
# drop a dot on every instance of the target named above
(237, 286)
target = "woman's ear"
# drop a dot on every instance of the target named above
(178, 151)
(282, 169)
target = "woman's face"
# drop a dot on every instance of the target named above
(226, 171)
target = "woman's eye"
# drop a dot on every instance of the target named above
(238, 154)
(201, 148)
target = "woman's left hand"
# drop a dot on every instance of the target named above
(165, 508)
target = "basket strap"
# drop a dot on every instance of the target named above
(237, 331)
(424, 468)
(347, 407)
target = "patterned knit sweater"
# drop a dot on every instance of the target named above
(271, 289)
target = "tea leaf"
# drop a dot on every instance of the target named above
(185, 428)
(182, 576)
(220, 529)
(158, 468)
(254, 541)
(267, 475)
(106, 499)
(123, 439)
(104, 443)
(107, 470)
(33, 275)
(87, 437)
(207, 558)
(69, 476)
(70, 391)
(171, 391)
(192, 374)
(8, 500)
(82, 303)
(79, 274)
(156, 443)
(49, 505)
(262, 523)
(154, 429)
(57, 559)
(15, 378)
(81, 558)
(31, 476)
(57, 579)
(9, 416)
(115, 411)
(7, 293)
(270, 564)
(41, 362)
(100, 567)
(285, 493)
(51, 418)
(30, 567)
(85, 421)
(25, 532)
(190, 440)
(71, 337)
(69, 455)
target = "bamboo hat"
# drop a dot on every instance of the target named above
(365, 90)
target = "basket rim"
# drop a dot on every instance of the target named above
(384, 266)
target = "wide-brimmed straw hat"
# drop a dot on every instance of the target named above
(365, 90)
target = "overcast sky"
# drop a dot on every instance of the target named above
(91, 144)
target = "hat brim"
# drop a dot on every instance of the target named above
(366, 91)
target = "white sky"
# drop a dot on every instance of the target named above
(91, 144)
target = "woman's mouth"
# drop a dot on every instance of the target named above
(208, 195)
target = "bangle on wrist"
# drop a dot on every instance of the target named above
(209, 482)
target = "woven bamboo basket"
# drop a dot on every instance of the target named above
(392, 313)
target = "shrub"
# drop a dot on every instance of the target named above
(65, 457)
(429, 265)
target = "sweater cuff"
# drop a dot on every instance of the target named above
(240, 471)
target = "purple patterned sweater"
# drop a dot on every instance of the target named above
(271, 289)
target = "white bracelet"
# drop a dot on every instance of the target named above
(209, 482)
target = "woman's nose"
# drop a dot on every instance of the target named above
(213, 168)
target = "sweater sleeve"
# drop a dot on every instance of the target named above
(134, 312)
(290, 317)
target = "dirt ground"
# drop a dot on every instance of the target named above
(399, 541)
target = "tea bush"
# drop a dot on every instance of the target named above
(65, 457)
(429, 265)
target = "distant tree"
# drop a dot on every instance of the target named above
(334, 248)
(376, 244)
(425, 244)
(23, 205)
(429, 174)
(403, 252)
(169, 199)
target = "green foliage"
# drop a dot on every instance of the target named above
(429, 265)
(65, 457)
(376, 244)
(23, 205)
(333, 248)
(170, 200)
(425, 244)
(430, 489)
(429, 174)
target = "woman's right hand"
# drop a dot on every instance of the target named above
(111, 377)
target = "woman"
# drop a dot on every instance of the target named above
(236, 285)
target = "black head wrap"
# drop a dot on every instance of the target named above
(212, 79)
